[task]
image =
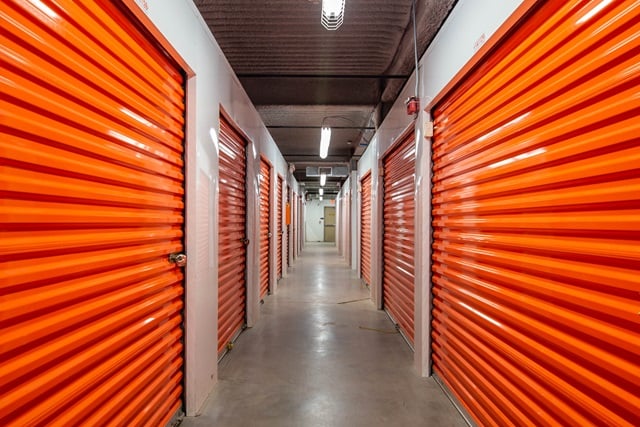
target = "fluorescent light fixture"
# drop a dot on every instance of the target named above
(323, 179)
(332, 14)
(320, 198)
(325, 139)
(321, 191)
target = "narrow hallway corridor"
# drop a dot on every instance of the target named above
(322, 355)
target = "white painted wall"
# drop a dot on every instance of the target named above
(344, 232)
(355, 220)
(470, 24)
(314, 224)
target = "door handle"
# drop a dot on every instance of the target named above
(178, 259)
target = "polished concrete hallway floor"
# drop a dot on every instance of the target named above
(322, 355)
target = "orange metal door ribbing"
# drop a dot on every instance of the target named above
(398, 237)
(365, 229)
(265, 231)
(232, 243)
(92, 205)
(536, 212)
(280, 230)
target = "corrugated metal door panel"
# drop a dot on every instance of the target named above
(398, 237)
(232, 249)
(536, 212)
(92, 206)
(280, 230)
(265, 209)
(365, 229)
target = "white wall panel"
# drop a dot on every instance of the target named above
(355, 211)
(343, 206)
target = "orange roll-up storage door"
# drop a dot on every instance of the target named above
(232, 243)
(91, 139)
(265, 231)
(365, 228)
(280, 230)
(536, 218)
(398, 268)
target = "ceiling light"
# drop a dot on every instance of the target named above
(325, 139)
(332, 14)
(320, 198)
(323, 179)
(321, 192)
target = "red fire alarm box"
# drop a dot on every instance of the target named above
(413, 105)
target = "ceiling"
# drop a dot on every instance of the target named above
(299, 75)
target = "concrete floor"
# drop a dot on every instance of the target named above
(322, 355)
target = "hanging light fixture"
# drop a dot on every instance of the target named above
(325, 139)
(332, 14)
(323, 179)
(321, 192)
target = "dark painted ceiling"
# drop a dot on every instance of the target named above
(298, 74)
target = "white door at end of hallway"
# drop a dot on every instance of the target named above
(329, 224)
